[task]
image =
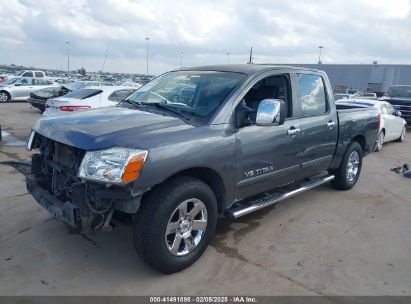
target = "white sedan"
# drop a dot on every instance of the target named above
(391, 126)
(90, 97)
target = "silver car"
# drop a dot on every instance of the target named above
(19, 88)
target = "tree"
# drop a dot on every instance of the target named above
(82, 71)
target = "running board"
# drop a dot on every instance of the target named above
(243, 208)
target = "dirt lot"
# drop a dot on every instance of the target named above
(322, 242)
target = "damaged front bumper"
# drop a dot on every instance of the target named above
(77, 213)
(67, 211)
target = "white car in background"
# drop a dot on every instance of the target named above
(19, 88)
(87, 98)
(392, 126)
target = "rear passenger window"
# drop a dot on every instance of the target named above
(311, 95)
(39, 74)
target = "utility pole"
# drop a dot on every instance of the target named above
(319, 56)
(147, 39)
(228, 57)
(104, 62)
(68, 56)
(251, 56)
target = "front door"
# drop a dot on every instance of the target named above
(266, 156)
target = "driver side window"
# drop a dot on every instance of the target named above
(25, 82)
(272, 87)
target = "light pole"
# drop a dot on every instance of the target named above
(228, 57)
(68, 56)
(181, 59)
(147, 39)
(319, 56)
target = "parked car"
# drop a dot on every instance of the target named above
(38, 99)
(19, 88)
(392, 126)
(400, 98)
(60, 80)
(90, 97)
(29, 74)
(250, 136)
(366, 95)
(2, 78)
(338, 96)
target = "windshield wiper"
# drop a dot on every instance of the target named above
(164, 106)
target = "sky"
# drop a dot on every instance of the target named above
(35, 32)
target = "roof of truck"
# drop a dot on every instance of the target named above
(248, 69)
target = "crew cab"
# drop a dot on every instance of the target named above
(193, 144)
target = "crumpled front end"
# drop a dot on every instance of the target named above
(86, 205)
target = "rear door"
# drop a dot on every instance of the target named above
(315, 123)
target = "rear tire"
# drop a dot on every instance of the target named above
(175, 223)
(4, 97)
(346, 176)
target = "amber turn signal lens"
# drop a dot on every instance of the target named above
(133, 168)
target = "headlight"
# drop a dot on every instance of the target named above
(115, 165)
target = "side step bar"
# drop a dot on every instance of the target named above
(243, 208)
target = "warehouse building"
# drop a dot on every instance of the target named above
(364, 77)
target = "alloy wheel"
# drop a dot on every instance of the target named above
(404, 131)
(353, 166)
(380, 141)
(186, 227)
(3, 97)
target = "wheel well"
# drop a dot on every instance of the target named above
(211, 178)
(361, 140)
(2, 91)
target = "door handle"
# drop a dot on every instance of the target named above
(331, 124)
(293, 132)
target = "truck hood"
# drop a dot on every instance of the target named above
(108, 127)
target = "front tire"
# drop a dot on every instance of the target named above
(346, 176)
(403, 133)
(4, 97)
(380, 142)
(175, 223)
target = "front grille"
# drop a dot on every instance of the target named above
(59, 166)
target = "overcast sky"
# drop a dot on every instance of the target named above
(34, 32)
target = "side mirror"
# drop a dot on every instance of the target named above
(17, 84)
(271, 112)
(397, 113)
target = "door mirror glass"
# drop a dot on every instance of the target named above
(271, 112)
(397, 113)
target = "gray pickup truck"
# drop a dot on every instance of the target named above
(193, 144)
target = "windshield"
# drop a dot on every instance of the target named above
(11, 81)
(196, 93)
(400, 91)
